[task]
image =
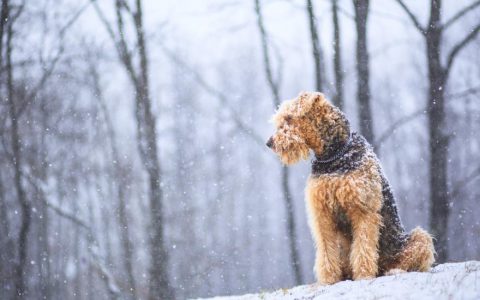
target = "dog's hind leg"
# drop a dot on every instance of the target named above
(418, 254)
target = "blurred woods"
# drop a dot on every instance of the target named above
(132, 153)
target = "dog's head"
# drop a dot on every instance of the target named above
(306, 122)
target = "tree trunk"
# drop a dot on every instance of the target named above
(76, 244)
(44, 263)
(159, 285)
(23, 244)
(438, 140)
(363, 72)
(7, 246)
(287, 196)
(316, 50)
(3, 22)
(124, 225)
(159, 282)
(337, 57)
(6, 241)
(291, 228)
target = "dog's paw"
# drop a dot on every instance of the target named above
(318, 286)
(315, 286)
(394, 272)
(328, 281)
(364, 277)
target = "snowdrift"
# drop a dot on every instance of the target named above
(447, 281)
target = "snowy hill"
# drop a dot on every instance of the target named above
(447, 281)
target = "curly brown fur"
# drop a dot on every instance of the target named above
(352, 214)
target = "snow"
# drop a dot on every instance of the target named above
(446, 281)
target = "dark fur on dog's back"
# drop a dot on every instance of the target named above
(393, 237)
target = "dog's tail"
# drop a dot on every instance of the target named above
(420, 247)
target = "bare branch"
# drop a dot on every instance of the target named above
(40, 187)
(53, 63)
(67, 215)
(7, 18)
(219, 95)
(458, 47)
(124, 51)
(103, 19)
(3, 21)
(397, 124)
(94, 259)
(337, 57)
(119, 42)
(460, 14)
(412, 17)
(74, 18)
(15, 16)
(273, 84)
(316, 51)
(462, 183)
(406, 119)
(346, 13)
(104, 273)
(465, 93)
(48, 72)
(125, 5)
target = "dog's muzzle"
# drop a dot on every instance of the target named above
(270, 142)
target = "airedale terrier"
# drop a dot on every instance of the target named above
(352, 213)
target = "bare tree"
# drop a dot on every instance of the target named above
(17, 161)
(286, 193)
(337, 57)
(363, 70)
(316, 47)
(159, 285)
(438, 74)
(6, 241)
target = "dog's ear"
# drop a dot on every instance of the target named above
(309, 100)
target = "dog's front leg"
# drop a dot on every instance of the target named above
(328, 266)
(364, 251)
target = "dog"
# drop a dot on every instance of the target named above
(351, 209)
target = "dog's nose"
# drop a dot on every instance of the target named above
(270, 142)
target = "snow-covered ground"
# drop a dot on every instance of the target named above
(447, 281)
